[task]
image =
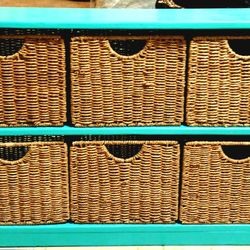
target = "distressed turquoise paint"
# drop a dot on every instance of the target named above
(123, 235)
(67, 18)
(171, 130)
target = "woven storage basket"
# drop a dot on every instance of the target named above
(218, 84)
(34, 188)
(109, 89)
(215, 187)
(32, 81)
(139, 189)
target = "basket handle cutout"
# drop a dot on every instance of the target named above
(240, 47)
(207, 3)
(13, 153)
(10, 46)
(123, 151)
(127, 47)
(237, 152)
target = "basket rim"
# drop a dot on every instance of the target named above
(143, 144)
(31, 147)
(221, 151)
(147, 39)
(24, 50)
(225, 40)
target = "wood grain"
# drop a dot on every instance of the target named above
(45, 3)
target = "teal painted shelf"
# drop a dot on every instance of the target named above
(123, 235)
(175, 19)
(171, 130)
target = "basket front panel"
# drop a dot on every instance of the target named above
(32, 84)
(215, 189)
(34, 189)
(218, 85)
(113, 90)
(143, 189)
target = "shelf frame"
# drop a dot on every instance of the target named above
(124, 235)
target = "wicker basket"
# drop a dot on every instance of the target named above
(218, 85)
(215, 187)
(109, 89)
(34, 188)
(32, 81)
(110, 189)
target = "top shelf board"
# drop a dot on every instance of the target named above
(81, 18)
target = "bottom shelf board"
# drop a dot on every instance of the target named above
(123, 235)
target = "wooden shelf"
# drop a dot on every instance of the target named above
(123, 235)
(165, 130)
(113, 235)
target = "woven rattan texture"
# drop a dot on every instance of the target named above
(215, 188)
(34, 189)
(113, 90)
(32, 82)
(218, 84)
(140, 189)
